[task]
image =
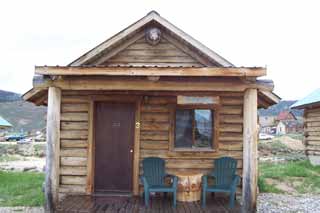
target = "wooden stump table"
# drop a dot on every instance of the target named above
(189, 186)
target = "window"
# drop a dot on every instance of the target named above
(194, 128)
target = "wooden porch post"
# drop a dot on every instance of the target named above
(250, 152)
(53, 148)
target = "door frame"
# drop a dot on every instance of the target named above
(91, 138)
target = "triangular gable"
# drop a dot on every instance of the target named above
(116, 51)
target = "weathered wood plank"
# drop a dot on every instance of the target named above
(250, 151)
(73, 180)
(73, 152)
(65, 143)
(74, 134)
(73, 170)
(79, 107)
(74, 116)
(73, 161)
(53, 148)
(66, 125)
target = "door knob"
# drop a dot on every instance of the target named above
(131, 150)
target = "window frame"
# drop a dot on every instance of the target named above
(215, 130)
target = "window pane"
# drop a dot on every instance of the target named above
(183, 129)
(203, 128)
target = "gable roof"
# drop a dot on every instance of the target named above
(4, 123)
(286, 115)
(311, 99)
(139, 26)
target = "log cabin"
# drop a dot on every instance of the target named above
(311, 123)
(150, 90)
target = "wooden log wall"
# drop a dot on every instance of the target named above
(164, 54)
(154, 137)
(312, 131)
(73, 144)
(155, 134)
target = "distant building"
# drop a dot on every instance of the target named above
(285, 122)
(311, 106)
(4, 124)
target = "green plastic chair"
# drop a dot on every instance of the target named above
(225, 179)
(153, 179)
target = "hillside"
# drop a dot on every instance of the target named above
(282, 106)
(21, 114)
(9, 96)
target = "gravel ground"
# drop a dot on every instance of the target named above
(28, 164)
(21, 209)
(276, 203)
(267, 203)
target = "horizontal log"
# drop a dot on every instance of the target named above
(313, 114)
(313, 124)
(73, 170)
(233, 137)
(154, 71)
(154, 108)
(73, 180)
(73, 152)
(114, 84)
(73, 134)
(80, 107)
(72, 189)
(312, 129)
(189, 155)
(155, 126)
(159, 145)
(231, 110)
(152, 52)
(311, 119)
(160, 100)
(65, 143)
(226, 101)
(231, 119)
(194, 164)
(75, 100)
(159, 117)
(73, 161)
(154, 136)
(317, 133)
(68, 116)
(230, 128)
(227, 146)
(67, 125)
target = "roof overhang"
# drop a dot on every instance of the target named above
(151, 71)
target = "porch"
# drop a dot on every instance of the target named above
(86, 203)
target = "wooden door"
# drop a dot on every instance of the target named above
(114, 139)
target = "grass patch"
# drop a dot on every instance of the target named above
(21, 189)
(268, 188)
(296, 136)
(307, 175)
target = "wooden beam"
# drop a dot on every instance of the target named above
(53, 148)
(114, 84)
(91, 149)
(250, 151)
(152, 71)
(136, 149)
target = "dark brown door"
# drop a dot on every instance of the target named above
(114, 137)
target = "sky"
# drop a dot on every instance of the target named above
(282, 35)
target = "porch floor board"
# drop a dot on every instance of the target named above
(123, 204)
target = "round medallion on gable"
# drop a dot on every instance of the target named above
(153, 36)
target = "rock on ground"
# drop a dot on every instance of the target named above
(275, 203)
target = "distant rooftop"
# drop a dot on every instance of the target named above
(311, 99)
(4, 123)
